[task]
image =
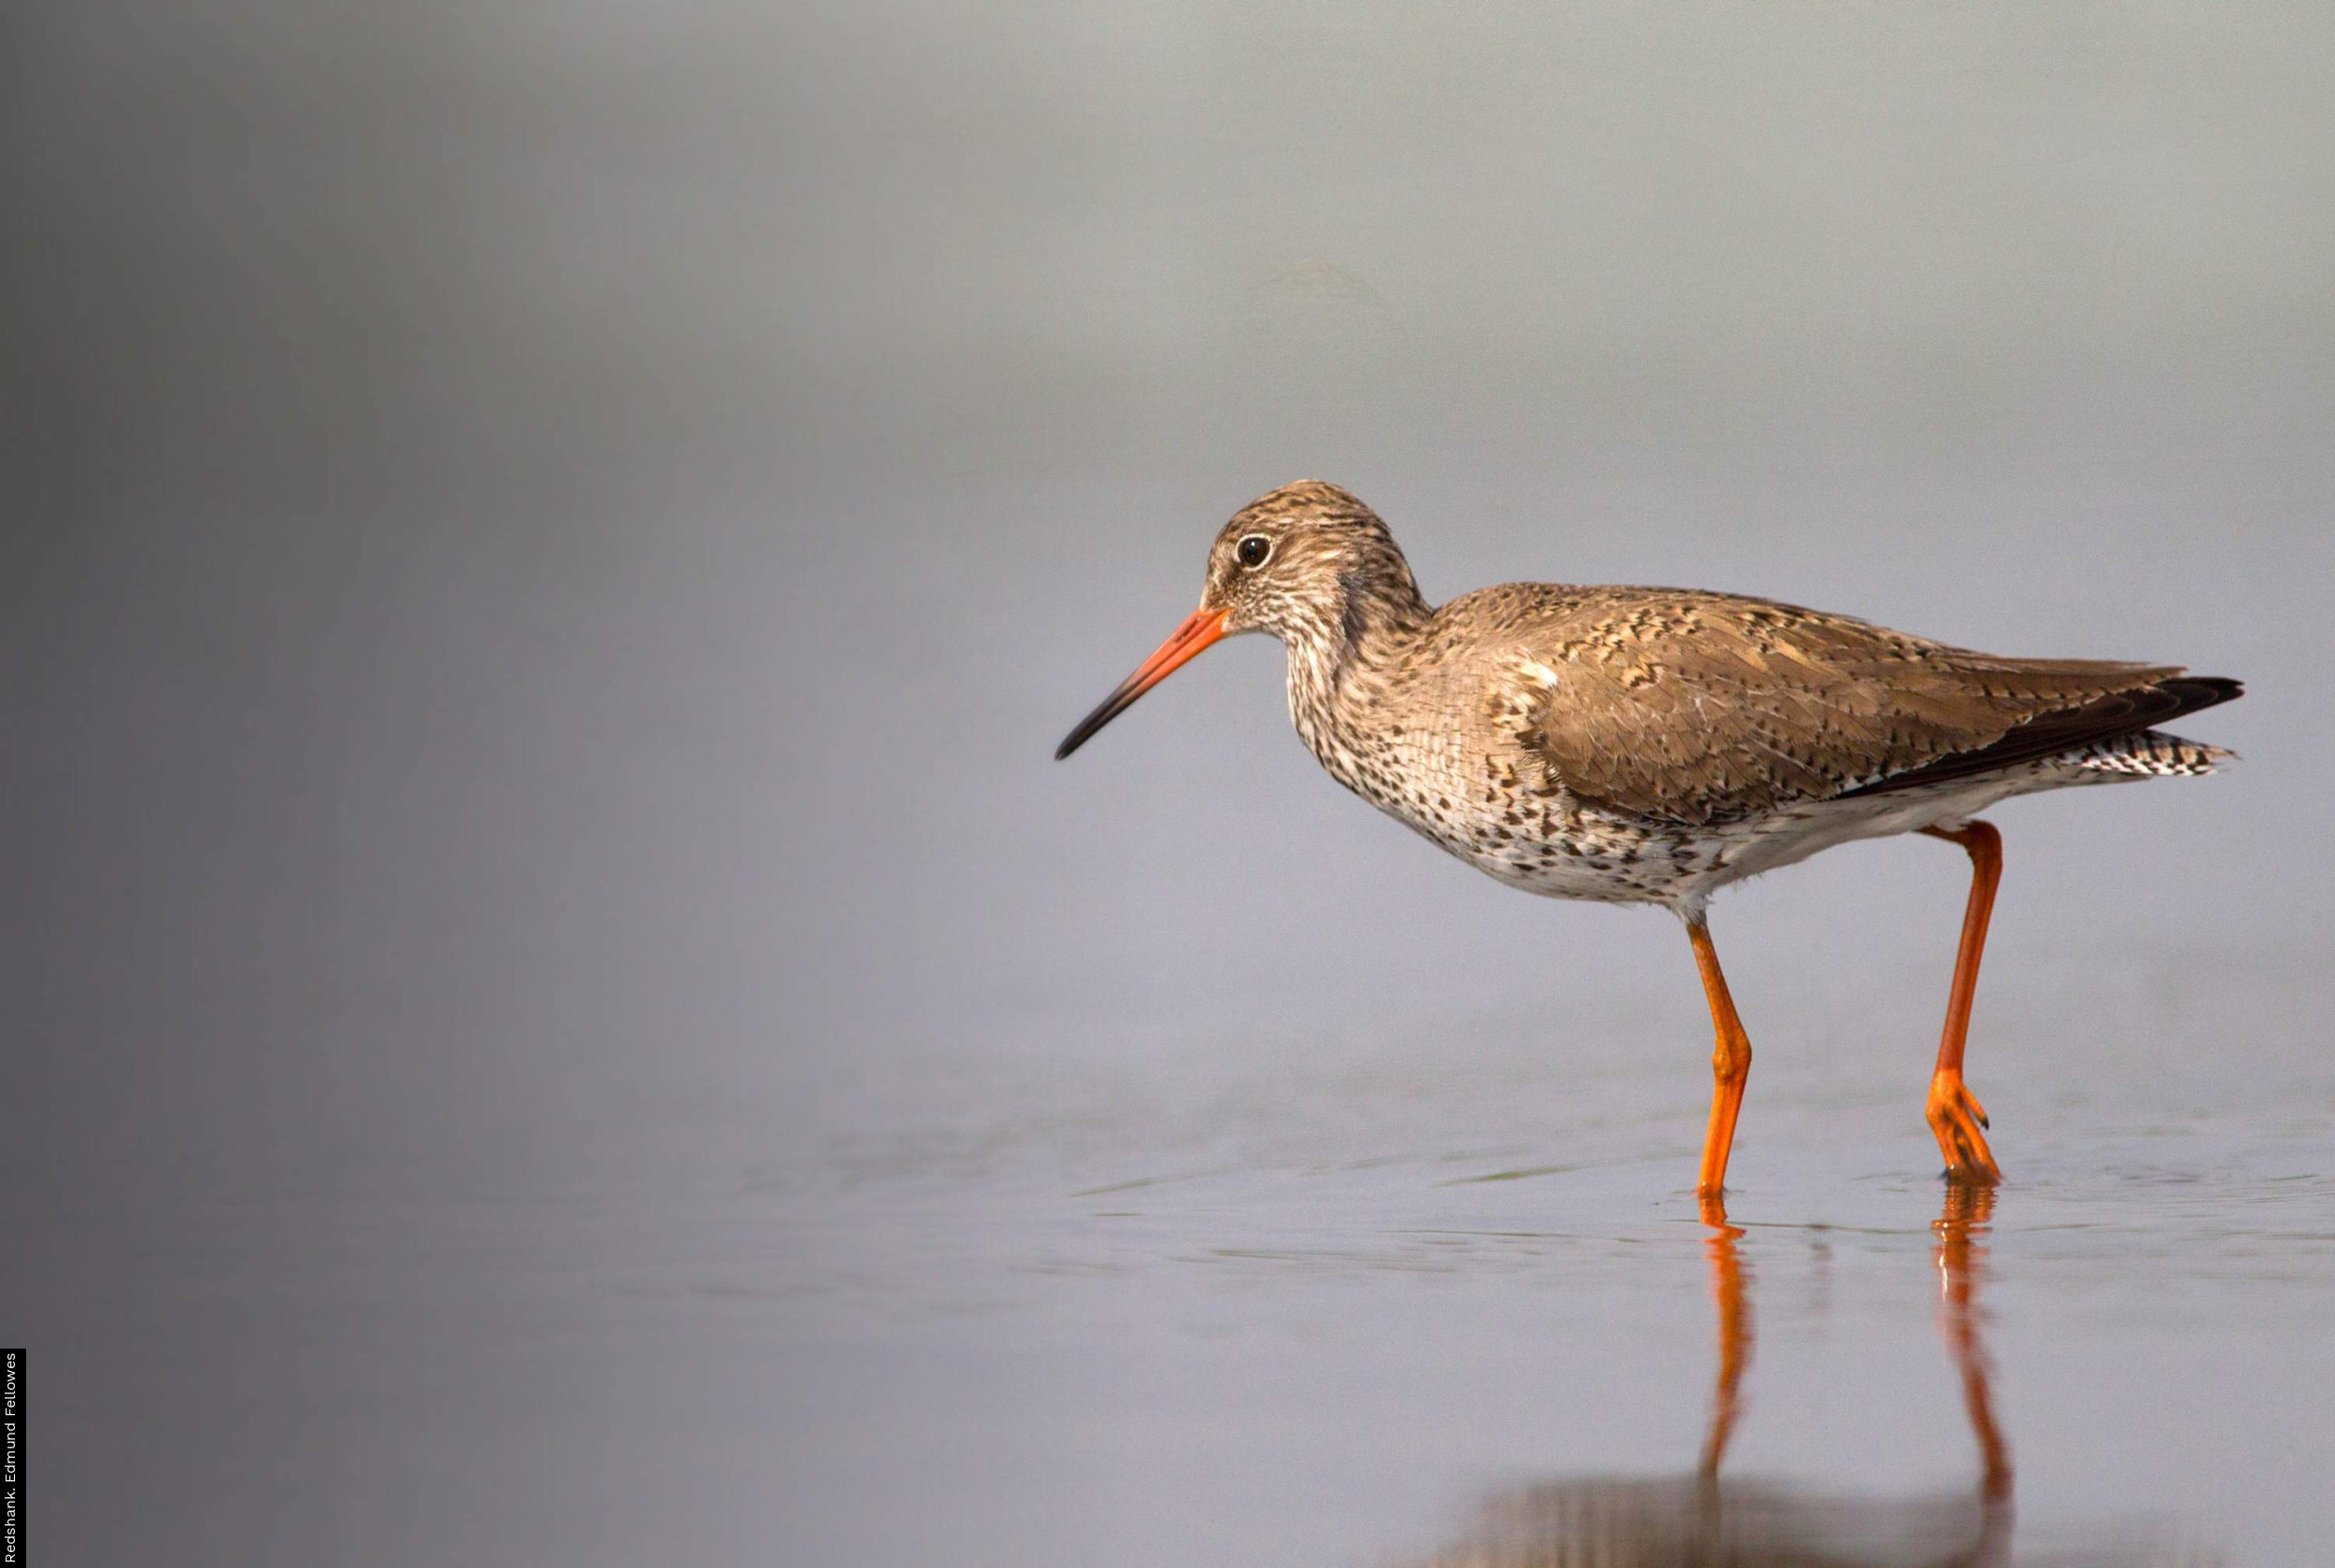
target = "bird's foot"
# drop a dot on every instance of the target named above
(1957, 1117)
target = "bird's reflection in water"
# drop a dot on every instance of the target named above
(1702, 1520)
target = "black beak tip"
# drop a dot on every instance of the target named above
(1112, 706)
(1083, 734)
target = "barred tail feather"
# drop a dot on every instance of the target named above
(2154, 754)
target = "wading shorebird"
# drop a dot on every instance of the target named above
(1651, 746)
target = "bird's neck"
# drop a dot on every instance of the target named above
(1345, 656)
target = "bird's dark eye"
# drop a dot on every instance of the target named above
(1254, 551)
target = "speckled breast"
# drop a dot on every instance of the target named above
(1492, 808)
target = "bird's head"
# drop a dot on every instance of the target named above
(1309, 563)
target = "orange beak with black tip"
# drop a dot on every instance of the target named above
(1198, 630)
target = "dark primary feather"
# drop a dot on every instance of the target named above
(1695, 707)
(2124, 712)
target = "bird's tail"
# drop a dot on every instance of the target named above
(2154, 754)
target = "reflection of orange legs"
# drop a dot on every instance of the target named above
(1734, 1332)
(1730, 1065)
(1960, 1260)
(1955, 1114)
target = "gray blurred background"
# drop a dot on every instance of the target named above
(560, 538)
(554, 543)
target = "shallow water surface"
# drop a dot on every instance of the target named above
(1337, 1303)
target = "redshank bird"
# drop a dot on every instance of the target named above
(1651, 746)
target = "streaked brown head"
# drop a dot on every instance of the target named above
(1309, 563)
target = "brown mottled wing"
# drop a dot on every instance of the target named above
(1700, 707)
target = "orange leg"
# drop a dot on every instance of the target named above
(1955, 1115)
(1730, 1065)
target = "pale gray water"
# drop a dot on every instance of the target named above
(1309, 1307)
(561, 1015)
